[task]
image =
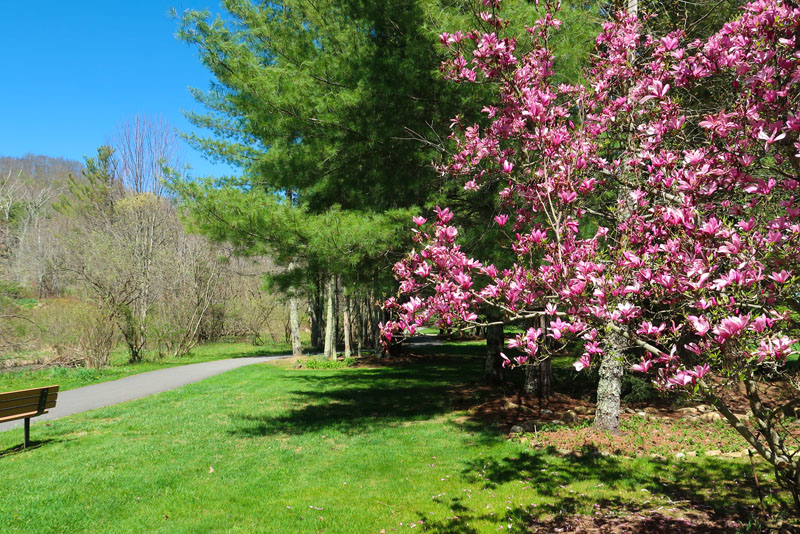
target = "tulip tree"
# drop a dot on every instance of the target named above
(634, 220)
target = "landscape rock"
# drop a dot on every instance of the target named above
(581, 410)
(533, 425)
(713, 452)
(702, 408)
(691, 454)
(650, 410)
(680, 456)
(734, 454)
(710, 416)
(517, 429)
(688, 411)
(569, 416)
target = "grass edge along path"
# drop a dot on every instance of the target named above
(271, 449)
(74, 377)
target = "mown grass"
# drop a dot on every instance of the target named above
(75, 377)
(268, 448)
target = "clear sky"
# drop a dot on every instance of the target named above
(73, 70)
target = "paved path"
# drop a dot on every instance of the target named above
(137, 386)
(424, 340)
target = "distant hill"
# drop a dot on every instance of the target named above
(41, 170)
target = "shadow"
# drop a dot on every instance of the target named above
(709, 497)
(21, 448)
(359, 399)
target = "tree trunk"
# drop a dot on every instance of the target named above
(330, 321)
(359, 325)
(317, 310)
(539, 379)
(375, 319)
(346, 320)
(294, 324)
(493, 372)
(608, 389)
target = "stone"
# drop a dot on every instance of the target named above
(680, 456)
(547, 412)
(569, 416)
(629, 410)
(532, 425)
(734, 454)
(742, 416)
(657, 456)
(691, 454)
(517, 429)
(580, 410)
(702, 408)
(708, 417)
(641, 414)
(650, 410)
(713, 452)
(688, 411)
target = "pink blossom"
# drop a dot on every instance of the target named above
(583, 362)
(700, 324)
(730, 327)
(781, 277)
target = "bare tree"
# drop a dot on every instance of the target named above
(143, 147)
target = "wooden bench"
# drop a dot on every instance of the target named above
(27, 403)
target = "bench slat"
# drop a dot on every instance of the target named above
(23, 393)
(20, 416)
(33, 399)
(24, 408)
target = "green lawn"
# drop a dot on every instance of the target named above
(268, 448)
(74, 377)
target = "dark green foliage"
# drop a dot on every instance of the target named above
(321, 98)
(94, 192)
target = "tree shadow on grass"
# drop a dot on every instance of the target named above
(713, 497)
(357, 400)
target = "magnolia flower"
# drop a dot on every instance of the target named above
(501, 219)
(644, 366)
(700, 324)
(770, 138)
(419, 220)
(730, 327)
(647, 329)
(583, 362)
(781, 277)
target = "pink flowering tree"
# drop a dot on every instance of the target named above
(653, 234)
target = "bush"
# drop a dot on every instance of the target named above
(80, 333)
(635, 390)
(317, 363)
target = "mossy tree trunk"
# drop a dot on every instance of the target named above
(610, 385)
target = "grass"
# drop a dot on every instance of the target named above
(269, 448)
(75, 377)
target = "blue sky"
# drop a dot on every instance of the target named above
(73, 70)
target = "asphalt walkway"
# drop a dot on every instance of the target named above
(136, 386)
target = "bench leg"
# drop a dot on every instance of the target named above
(27, 432)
